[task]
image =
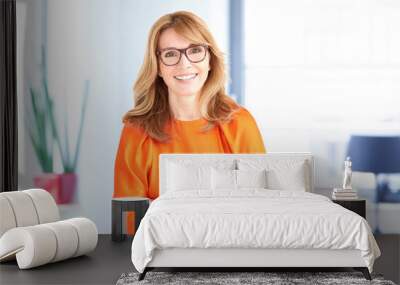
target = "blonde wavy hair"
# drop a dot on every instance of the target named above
(151, 108)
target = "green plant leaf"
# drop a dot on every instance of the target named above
(66, 138)
(49, 105)
(82, 118)
(37, 133)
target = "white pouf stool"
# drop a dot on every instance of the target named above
(32, 233)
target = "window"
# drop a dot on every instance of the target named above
(323, 64)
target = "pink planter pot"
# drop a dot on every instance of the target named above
(61, 186)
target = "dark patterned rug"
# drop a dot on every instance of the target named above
(230, 278)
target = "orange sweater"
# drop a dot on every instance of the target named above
(136, 163)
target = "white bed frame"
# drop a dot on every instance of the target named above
(246, 258)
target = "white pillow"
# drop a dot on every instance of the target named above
(235, 179)
(182, 177)
(252, 178)
(291, 179)
(282, 174)
(223, 179)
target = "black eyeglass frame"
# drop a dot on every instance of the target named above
(183, 51)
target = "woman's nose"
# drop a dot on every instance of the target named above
(184, 62)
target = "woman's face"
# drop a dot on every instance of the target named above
(185, 78)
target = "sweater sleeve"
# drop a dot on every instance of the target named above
(244, 135)
(131, 164)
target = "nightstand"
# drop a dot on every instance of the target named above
(120, 205)
(358, 206)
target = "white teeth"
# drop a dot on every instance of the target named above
(186, 77)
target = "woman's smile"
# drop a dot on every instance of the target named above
(186, 77)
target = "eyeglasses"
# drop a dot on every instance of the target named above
(172, 56)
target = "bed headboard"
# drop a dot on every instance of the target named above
(214, 158)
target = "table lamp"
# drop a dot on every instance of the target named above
(379, 155)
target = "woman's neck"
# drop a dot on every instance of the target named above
(185, 107)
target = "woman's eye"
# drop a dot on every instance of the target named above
(195, 50)
(170, 54)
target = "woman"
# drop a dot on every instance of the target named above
(180, 106)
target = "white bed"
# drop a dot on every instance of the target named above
(232, 218)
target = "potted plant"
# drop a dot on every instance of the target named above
(43, 133)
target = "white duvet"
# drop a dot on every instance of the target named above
(251, 218)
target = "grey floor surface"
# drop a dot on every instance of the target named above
(111, 259)
(102, 266)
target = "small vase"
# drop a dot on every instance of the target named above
(61, 186)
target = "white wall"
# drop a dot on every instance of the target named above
(29, 34)
(102, 41)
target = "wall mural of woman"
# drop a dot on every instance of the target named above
(180, 106)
